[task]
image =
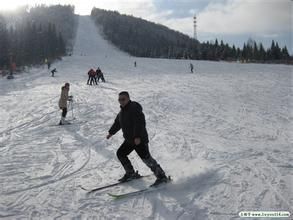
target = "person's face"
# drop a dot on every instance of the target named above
(123, 100)
(67, 87)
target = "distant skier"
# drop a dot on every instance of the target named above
(94, 77)
(49, 64)
(191, 67)
(89, 77)
(12, 68)
(53, 72)
(131, 120)
(100, 75)
(91, 80)
(134, 63)
(63, 103)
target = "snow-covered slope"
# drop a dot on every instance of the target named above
(223, 133)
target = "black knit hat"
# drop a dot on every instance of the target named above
(124, 93)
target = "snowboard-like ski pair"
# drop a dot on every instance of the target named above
(151, 188)
(111, 185)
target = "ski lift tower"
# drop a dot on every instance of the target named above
(194, 28)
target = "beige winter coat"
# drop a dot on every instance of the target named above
(63, 98)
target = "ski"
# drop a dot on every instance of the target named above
(110, 185)
(67, 124)
(140, 191)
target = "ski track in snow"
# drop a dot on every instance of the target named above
(223, 133)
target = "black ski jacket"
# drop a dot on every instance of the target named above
(132, 122)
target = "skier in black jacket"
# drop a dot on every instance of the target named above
(132, 122)
(53, 72)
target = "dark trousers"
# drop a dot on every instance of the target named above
(92, 80)
(101, 77)
(143, 152)
(64, 112)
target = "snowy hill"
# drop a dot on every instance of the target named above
(223, 133)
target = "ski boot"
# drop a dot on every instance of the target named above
(130, 176)
(160, 180)
(63, 121)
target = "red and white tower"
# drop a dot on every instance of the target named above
(194, 28)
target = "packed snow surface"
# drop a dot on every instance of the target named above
(224, 134)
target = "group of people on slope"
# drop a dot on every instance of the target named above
(131, 121)
(95, 76)
(54, 70)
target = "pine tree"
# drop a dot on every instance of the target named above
(285, 55)
(244, 54)
(262, 53)
(233, 53)
(276, 52)
(255, 52)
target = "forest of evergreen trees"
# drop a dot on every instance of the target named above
(31, 36)
(141, 38)
(251, 52)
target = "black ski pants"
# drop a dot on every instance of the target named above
(143, 152)
(64, 112)
(126, 148)
(101, 77)
(92, 80)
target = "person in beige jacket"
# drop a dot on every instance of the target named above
(63, 102)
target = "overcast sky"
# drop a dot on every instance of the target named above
(232, 21)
